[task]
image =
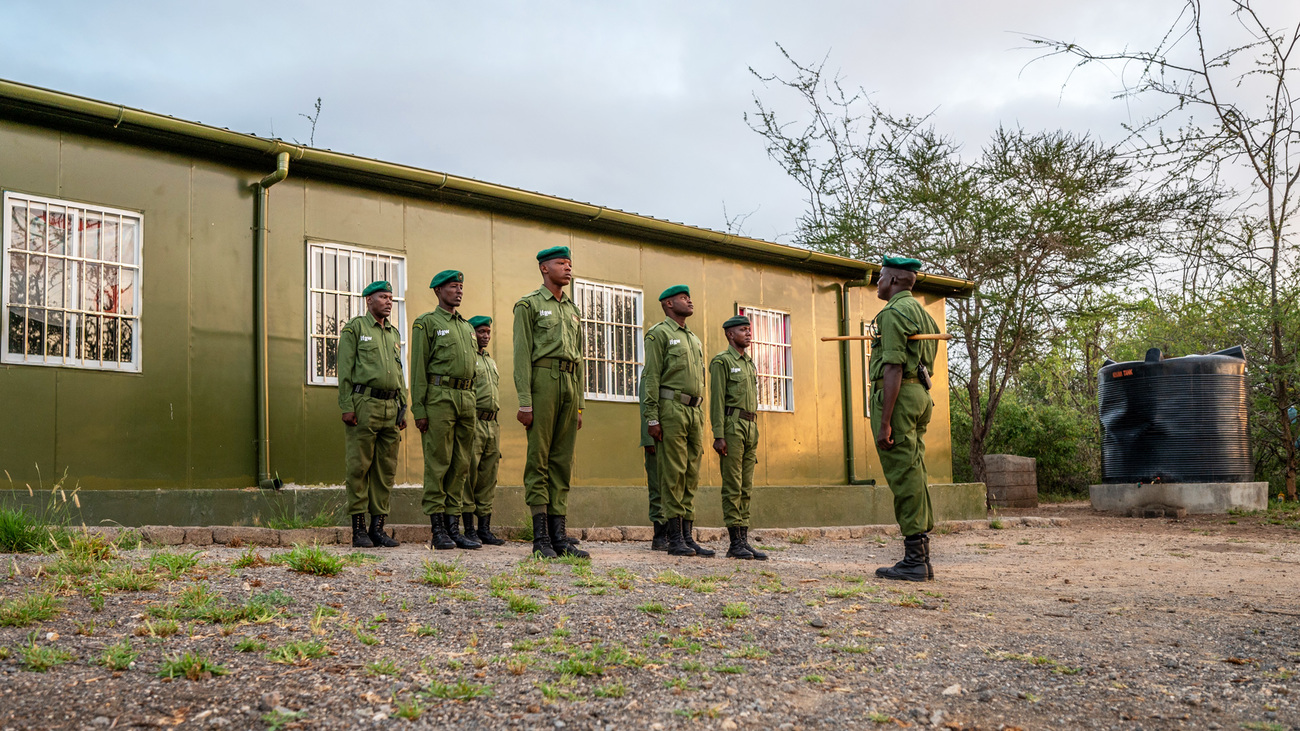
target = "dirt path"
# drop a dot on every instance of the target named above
(1104, 623)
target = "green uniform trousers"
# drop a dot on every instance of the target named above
(447, 446)
(738, 470)
(652, 485)
(371, 455)
(904, 464)
(551, 440)
(679, 457)
(481, 487)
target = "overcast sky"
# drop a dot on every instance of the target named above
(633, 105)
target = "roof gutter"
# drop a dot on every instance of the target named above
(118, 117)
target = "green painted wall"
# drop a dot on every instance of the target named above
(187, 420)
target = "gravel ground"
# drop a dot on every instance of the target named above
(1104, 623)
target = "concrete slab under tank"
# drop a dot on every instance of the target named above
(1195, 497)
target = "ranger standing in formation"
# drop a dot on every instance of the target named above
(548, 379)
(372, 397)
(672, 389)
(481, 487)
(733, 414)
(443, 351)
(900, 411)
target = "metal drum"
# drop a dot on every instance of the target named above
(1175, 419)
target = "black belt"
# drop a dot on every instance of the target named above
(565, 366)
(685, 398)
(377, 393)
(464, 384)
(736, 411)
(487, 416)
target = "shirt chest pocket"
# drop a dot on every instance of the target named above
(548, 329)
(369, 353)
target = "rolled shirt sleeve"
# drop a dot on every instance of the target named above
(893, 338)
(523, 354)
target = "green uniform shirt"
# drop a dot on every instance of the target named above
(442, 344)
(901, 317)
(733, 383)
(370, 354)
(674, 359)
(487, 393)
(545, 328)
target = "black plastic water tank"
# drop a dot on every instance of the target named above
(1175, 419)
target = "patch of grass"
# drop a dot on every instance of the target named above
(729, 669)
(314, 560)
(129, 579)
(678, 684)
(843, 592)
(118, 656)
(878, 717)
(173, 564)
(702, 585)
(411, 710)
(297, 652)
(250, 559)
(523, 604)
(282, 515)
(28, 609)
(190, 665)
(691, 666)
(797, 538)
(997, 524)
(383, 667)
(250, 644)
(426, 630)
(40, 659)
(750, 652)
(653, 608)
(814, 679)
(443, 575)
(461, 690)
(277, 720)
(164, 628)
(611, 690)
(736, 610)
(23, 532)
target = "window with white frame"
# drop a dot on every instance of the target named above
(611, 332)
(770, 349)
(336, 275)
(71, 284)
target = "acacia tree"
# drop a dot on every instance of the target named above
(1227, 115)
(1034, 219)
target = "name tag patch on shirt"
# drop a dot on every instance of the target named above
(443, 332)
(366, 337)
(673, 342)
(735, 370)
(545, 313)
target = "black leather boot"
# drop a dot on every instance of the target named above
(560, 542)
(471, 535)
(438, 527)
(453, 532)
(377, 535)
(688, 537)
(744, 537)
(676, 546)
(360, 539)
(912, 567)
(925, 543)
(541, 539)
(737, 548)
(484, 532)
(660, 541)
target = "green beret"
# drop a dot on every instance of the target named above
(479, 321)
(555, 252)
(902, 262)
(447, 275)
(736, 321)
(676, 289)
(376, 287)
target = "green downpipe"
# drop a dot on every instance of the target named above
(846, 384)
(266, 479)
